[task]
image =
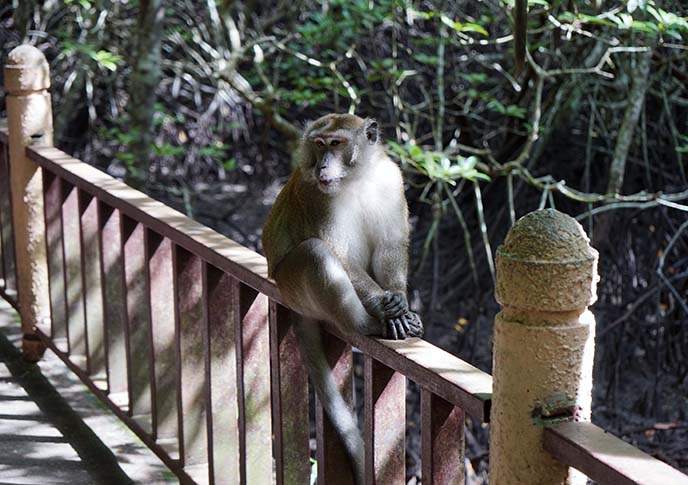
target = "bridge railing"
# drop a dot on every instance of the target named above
(181, 328)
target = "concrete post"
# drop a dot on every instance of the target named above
(543, 345)
(30, 122)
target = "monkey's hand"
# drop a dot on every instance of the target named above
(406, 325)
(394, 304)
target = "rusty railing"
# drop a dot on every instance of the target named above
(179, 330)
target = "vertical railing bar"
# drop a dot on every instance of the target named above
(276, 401)
(124, 231)
(206, 369)
(442, 440)
(74, 283)
(241, 403)
(103, 283)
(190, 310)
(149, 334)
(89, 233)
(257, 420)
(333, 462)
(138, 322)
(64, 188)
(65, 276)
(178, 353)
(114, 302)
(12, 253)
(385, 400)
(151, 345)
(162, 319)
(3, 195)
(52, 207)
(222, 382)
(205, 298)
(289, 398)
(81, 196)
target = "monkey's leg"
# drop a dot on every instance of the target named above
(390, 266)
(339, 413)
(313, 281)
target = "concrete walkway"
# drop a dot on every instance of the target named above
(54, 431)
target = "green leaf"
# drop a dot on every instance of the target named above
(104, 58)
(495, 105)
(426, 59)
(471, 27)
(473, 77)
(674, 34)
(463, 27)
(647, 27)
(570, 17)
(515, 111)
(418, 14)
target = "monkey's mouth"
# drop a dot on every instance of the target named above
(327, 185)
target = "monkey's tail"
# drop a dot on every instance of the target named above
(339, 413)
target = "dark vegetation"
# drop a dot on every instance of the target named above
(595, 124)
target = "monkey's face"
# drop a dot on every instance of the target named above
(338, 152)
(333, 162)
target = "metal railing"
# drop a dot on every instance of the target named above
(179, 330)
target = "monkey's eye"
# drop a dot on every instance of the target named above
(334, 143)
(319, 142)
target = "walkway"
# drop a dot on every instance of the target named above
(54, 431)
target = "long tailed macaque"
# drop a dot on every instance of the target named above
(336, 242)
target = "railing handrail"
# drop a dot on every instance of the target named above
(430, 367)
(580, 445)
(605, 458)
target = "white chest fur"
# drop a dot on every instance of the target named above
(368, 215)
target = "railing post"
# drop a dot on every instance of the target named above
(543, 345)
(27, 79)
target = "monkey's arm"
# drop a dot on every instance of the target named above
(390, 268)
(368, 291)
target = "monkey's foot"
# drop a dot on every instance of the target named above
(407, 325)
(394, 304)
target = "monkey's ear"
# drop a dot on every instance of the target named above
(372, 131)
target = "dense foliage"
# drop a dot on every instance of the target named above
(595, 124)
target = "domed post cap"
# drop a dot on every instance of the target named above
(546, 264)
(26, 70)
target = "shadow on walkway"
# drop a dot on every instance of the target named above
(44, 440)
